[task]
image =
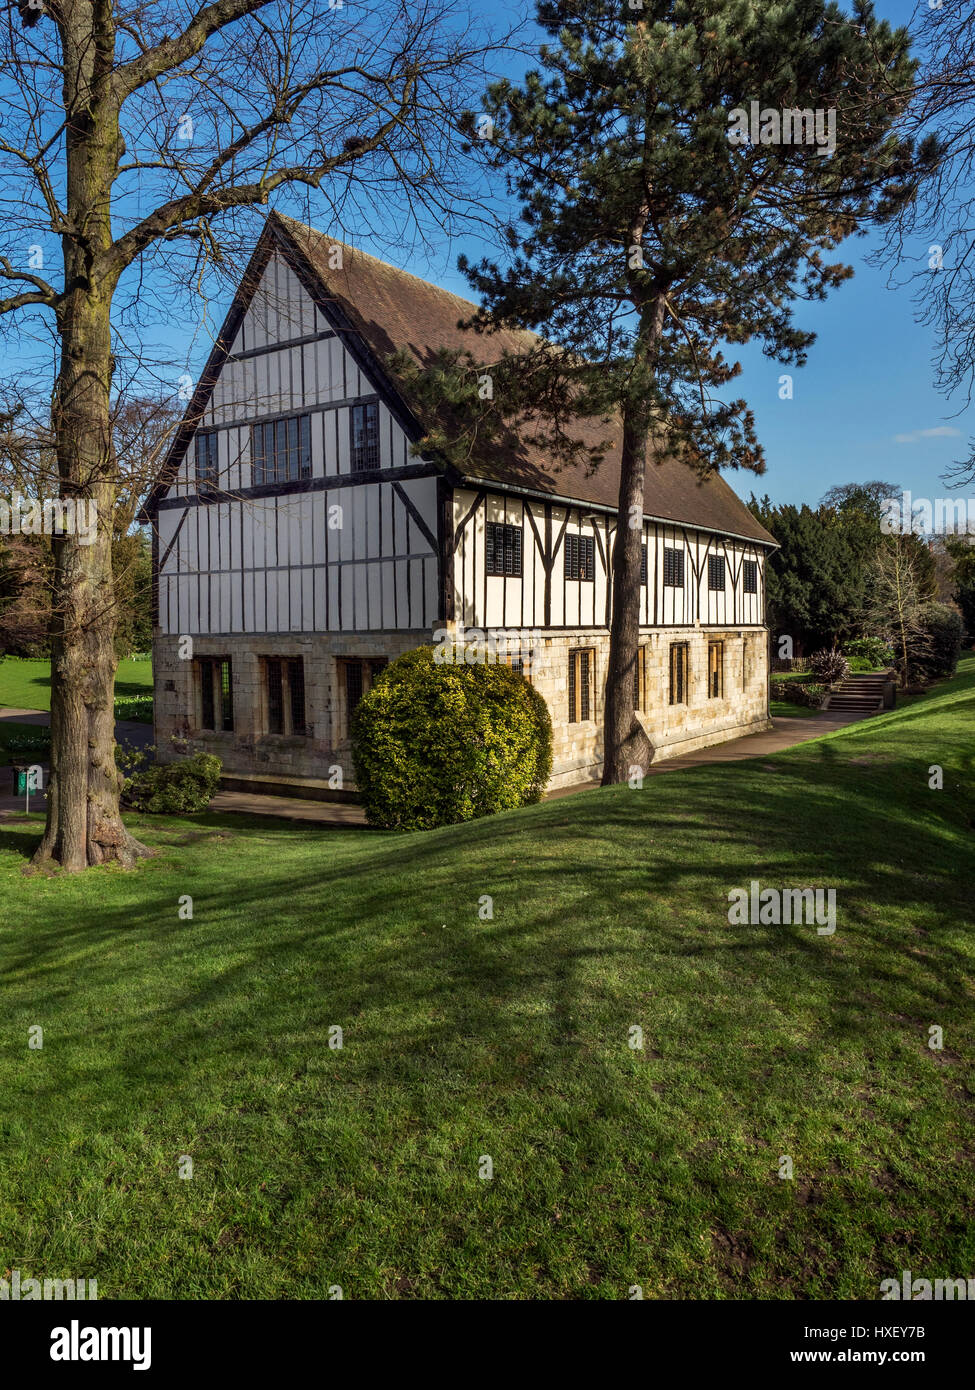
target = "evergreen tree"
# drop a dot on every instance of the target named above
(664, 217)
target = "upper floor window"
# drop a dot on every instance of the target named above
(716, 572)
(503, 544)
(750, 576)
(673, 568)
(643, 564)
(281, 450)
(580, 557)
(365, 435)
(206, 458)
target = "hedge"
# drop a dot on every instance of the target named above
(436, 742)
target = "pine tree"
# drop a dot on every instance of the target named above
(663, 218)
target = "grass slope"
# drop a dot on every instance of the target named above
(26, 684)
(508, 1037)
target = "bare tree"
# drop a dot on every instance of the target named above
(138, 133)
(932, 241)
(142, 431)
(898, 596)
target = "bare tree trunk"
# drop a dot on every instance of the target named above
(623, 737)
(84, 825)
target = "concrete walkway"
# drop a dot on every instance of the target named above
(785, 733)
(128, 732)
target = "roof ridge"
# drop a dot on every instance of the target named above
(388, 265)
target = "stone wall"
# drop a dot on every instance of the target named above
(249, 748)
(669, 730)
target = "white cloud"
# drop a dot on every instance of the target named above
(939, 432)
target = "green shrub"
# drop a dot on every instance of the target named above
(935, 652)
(174, 788)
(797, 692)
(830, 665)
(137, 708)
(437, 742)
(873, 650)
(26, 743)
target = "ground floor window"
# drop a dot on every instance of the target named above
(715, 670)
(580, 684)
(356, 676)
(640, 679)
(678, 673)
(284, 691)
(216, 693)
(520, 662)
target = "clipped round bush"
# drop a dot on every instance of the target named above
(172, 789)
(830, 665)
(437, 742)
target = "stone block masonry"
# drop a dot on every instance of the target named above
(725, 697)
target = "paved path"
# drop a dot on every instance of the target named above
(785, 733)
(128, 732)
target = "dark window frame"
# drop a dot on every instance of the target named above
(358, 674)
(716, 566)
(283, 679)
(644, 570)
(505, 561)
(749, 576)
(716, 671)
(582, 666)
(579, 561)
(216, 686)
(206, 455)
(680, 673)
(281, 449)
(673, 567)
(364, 443)
(640, 679)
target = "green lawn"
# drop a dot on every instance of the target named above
(26, 684)
(780, 709)
(508, 1037)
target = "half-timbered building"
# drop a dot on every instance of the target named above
(299, 544)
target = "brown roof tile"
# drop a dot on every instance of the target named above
(393, 310)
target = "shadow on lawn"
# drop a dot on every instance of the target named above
(752, 1032)
(776, 1028)
(369, 931)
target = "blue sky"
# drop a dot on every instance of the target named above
(864, 407)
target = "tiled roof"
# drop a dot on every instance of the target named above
(393, 310)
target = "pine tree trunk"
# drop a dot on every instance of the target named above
(624, 742)
(622, 735)
(84, 825)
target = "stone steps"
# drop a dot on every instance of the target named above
(280, 784)
(863, 694)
